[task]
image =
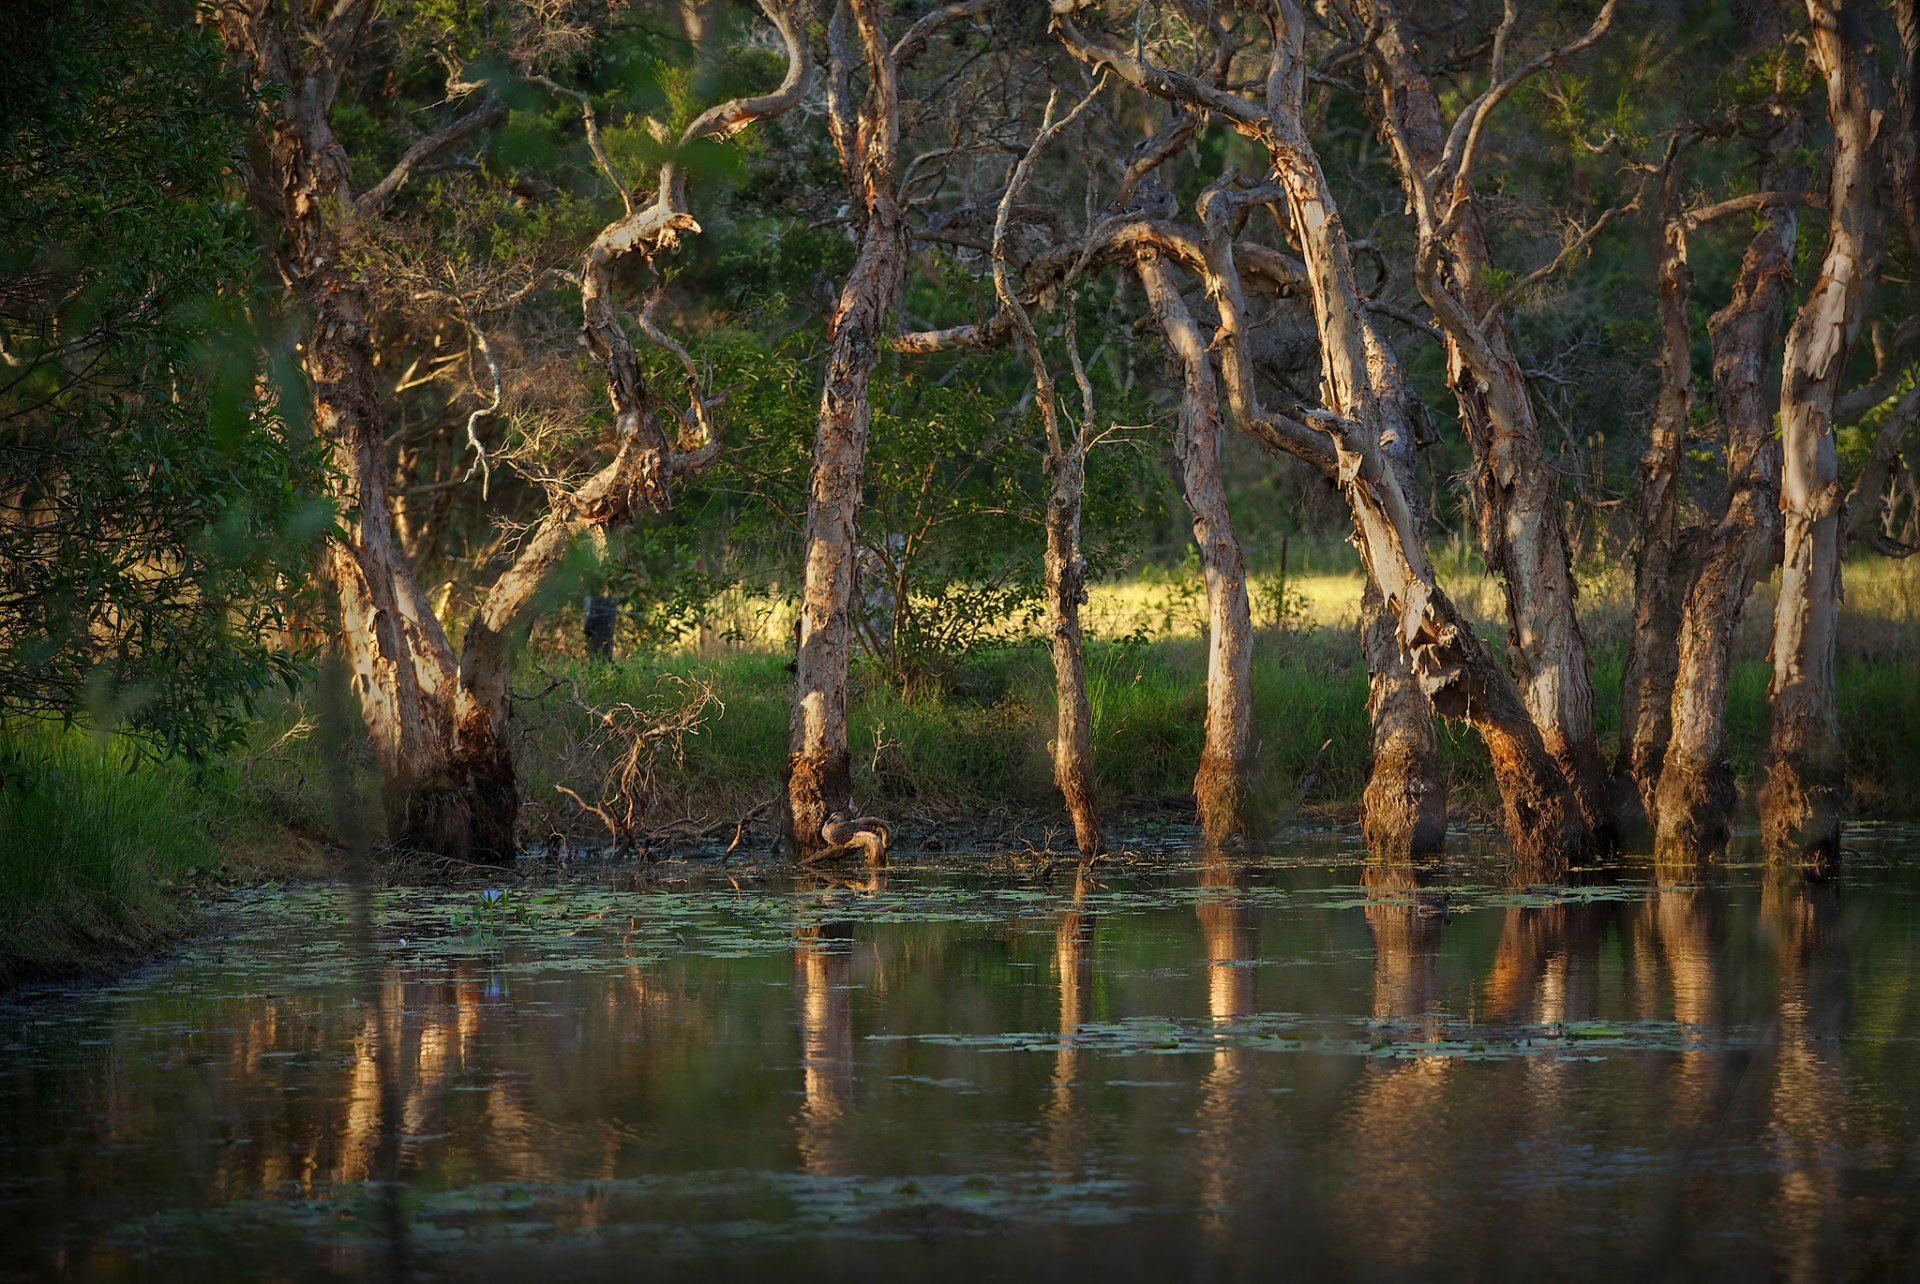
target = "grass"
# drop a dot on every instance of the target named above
(95, 850)
(972, 742)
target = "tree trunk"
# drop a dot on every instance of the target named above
(402, 668)
(819, 773)
(1514, 488)
(1403, 812)
(1454, 667)
(1221, 785)
(1646, 684)
(1066, 572)
(1696, 791)
(1801, 798)
(1404, 807)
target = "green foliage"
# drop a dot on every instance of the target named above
(155, 521)
(951, 531)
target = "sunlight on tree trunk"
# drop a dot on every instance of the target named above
(1801, 797)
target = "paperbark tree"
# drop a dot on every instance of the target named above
(1454, 668)
(1646, 684)
(1696, 793)
(866, 137)
(1220, 787)
(1801, 796)
(439, 727)
(1403, 810)
(1065, 567)
(1514, 487)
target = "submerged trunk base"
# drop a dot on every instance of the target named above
(1694, 808)
(1223, 799)
(1800, 811)
(1404, 809)
(472, 821)
(818, 785)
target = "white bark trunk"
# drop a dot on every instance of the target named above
(1802, 796)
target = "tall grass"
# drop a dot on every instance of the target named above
(86, 846)
(975, 739)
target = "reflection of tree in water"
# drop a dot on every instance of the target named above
(1390, 1127)
(1807, 1125)
(1547, 965)
(1678, 938)
(1225, 1124)
(823, 976)
(1064, 1136)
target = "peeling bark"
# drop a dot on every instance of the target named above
(1221, 786)
(1514, 487)
(1801, 798)
(1646, 685)
(819, 773)
(1454, 667)
(1696, 791)
(1403, 812)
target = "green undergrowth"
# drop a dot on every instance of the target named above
(971, 740)
(96, 847)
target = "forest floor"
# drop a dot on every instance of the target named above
(953, 751)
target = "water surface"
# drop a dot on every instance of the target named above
(1284, 1064)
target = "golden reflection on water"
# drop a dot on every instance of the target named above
(472, 1072)
(1805, 1130)
(1398, 1106)
(1228, 1110)
(1063, 1136)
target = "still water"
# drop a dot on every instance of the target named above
(1283, 1065)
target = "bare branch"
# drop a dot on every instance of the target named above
(491, 111)
(1463, 140)
(915, 41)
(1751, 202)
(1567, 252)
(1023, 324)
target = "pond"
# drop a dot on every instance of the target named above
(1290, 1062)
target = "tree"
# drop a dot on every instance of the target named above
(438, 725)
(1801, 797)
(151, 520)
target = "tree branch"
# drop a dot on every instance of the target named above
(375, 198)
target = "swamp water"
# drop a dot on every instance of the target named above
(1285, 1065)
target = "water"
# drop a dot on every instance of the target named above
(1290, 1064)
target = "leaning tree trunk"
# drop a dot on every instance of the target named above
(1454, 667)
(1514, 488)
(1646, 684)
(1696, 793)
(819, 771)
(1221, 786)
(1801, 797)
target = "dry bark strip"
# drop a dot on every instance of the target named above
(1802, 794)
